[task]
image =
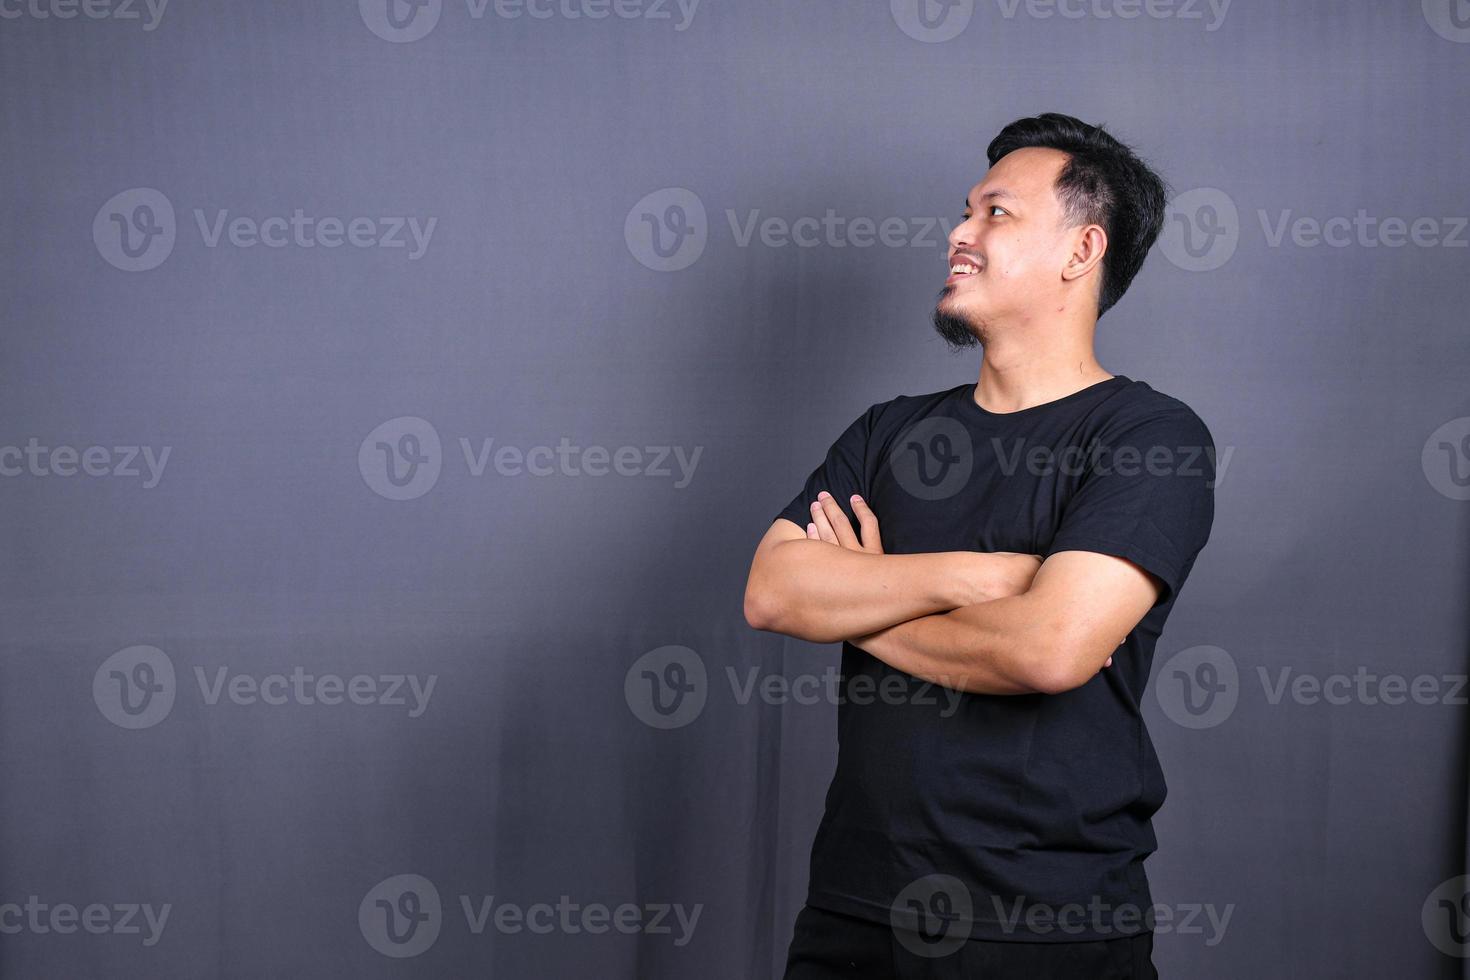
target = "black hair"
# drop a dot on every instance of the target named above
(1104, 183)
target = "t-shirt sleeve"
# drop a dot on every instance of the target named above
(1147, 495)
(842, 473)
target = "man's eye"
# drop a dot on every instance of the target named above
(997, 207)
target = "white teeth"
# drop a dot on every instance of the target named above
(962, 268)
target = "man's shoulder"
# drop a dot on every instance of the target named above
(903, 407)
(1133, 404)
(1139, 403)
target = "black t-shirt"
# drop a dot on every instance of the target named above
(1023, 809)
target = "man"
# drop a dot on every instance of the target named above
(998, 560)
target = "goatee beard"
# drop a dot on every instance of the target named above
(957, 332)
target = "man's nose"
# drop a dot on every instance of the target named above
(962, 234)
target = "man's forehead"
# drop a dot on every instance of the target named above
(1021, 175)
(981, 193)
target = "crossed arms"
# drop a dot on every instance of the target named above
(987, 623)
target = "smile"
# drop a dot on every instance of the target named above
(960, 270)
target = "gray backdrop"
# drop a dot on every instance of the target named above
(392, 398)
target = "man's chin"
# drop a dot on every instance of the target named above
(957, 330)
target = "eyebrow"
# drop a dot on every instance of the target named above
(998, 192)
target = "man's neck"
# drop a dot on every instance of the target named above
(1013, 378)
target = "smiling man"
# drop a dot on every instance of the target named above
(1020, 540)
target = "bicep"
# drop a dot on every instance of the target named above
(758, 598)
(780, 530)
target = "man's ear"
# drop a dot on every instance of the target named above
(1088, 248)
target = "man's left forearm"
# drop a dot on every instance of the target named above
(1004, 646)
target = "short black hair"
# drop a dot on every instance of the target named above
(1104, 183)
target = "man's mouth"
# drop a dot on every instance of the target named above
(961, 267)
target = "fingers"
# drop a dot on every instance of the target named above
(868, 523)
(837, 521)
(824, 526)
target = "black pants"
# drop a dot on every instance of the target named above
(830, 945)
